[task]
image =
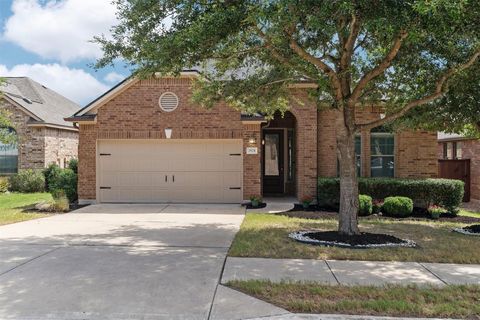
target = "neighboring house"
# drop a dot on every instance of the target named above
(144, 141)
(467, 152)
(43, 136)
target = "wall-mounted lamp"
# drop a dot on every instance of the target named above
(168, 133)
(252, 140)
(382, 115)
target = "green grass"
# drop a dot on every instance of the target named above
(393, 300)
(16, 207)
(466, 213)
(266, 235)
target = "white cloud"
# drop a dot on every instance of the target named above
(60, 30)
(114, 77)
(75, 84)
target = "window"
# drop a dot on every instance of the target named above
(358, 154)
(358, 157)
(8, 157)
(382, 151)
(452, 150)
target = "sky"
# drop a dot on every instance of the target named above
(50, 42)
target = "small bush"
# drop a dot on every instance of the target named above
(60, 201)
(51, 173)
(365, 205)
(398, 206)
(4, 185)
(73, 165)
(435, 211)
(377, 206)
(65, 180)
(447, 193)
(28, 181)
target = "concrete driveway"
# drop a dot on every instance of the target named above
(116, 262)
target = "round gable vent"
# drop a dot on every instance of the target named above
(168, 101)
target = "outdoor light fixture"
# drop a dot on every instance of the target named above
(382, 115)
(252, 140)
(168, 133)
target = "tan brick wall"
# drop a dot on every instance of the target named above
(60, 146)
(135, 114)
(305, 112)
(252, 182)
(415, 152)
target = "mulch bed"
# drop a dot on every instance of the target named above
(473, 230)
(363, 240)
(418, 214)
(260, 205)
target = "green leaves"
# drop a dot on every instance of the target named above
(244, 48)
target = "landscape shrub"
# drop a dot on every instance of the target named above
(397, 206)
(4, 184)
(73, 165)
(435, 211)
(66, 180)
(377, 206)
(27, 181)
(51, 173)
(447, 193)
(365, 205)
(60, 201)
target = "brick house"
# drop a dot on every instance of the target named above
(43, 136)
(144, 141)
(458, 147)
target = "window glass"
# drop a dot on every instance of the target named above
(271, 155)
(291, 155)
(382, 162)
(358, 154)
(449, 150)
(459, 151)
(8, 158)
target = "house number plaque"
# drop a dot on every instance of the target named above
(252, 150)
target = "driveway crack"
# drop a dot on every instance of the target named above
(30, 260)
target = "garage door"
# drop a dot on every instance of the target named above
(195, 171)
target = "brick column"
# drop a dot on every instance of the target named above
(252, 182)
(87, 153)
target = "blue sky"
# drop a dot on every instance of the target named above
(48, 40)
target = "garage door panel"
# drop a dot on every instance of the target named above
(204, 170)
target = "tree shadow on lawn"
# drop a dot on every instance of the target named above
(436, 242)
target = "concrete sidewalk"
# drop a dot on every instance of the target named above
(335, 272)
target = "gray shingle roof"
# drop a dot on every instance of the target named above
(46, 104)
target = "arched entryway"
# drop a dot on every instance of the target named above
(279, 156)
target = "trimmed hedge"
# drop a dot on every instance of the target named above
(365, 207)
(398, 206)
(447, 193)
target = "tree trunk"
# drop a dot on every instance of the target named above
(348, 214)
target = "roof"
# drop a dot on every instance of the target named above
(444, 136)
(43, 104)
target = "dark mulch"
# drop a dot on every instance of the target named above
(418, 214)
(363, 240)
(260, 205)
(473, 228)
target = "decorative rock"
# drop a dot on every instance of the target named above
(44, 206)
(466, 232)
(302, 236)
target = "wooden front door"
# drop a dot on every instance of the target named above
(273, 162)
(456, 169)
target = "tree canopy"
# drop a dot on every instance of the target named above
(402, 55)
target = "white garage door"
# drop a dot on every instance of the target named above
(196, 171)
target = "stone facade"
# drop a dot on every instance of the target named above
(40, 146)
(135, 114)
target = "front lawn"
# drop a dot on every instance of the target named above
(266, 235)
(16, 207)
(410, 301)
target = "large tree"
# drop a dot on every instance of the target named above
(401, 54)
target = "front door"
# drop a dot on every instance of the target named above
(273, 162)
